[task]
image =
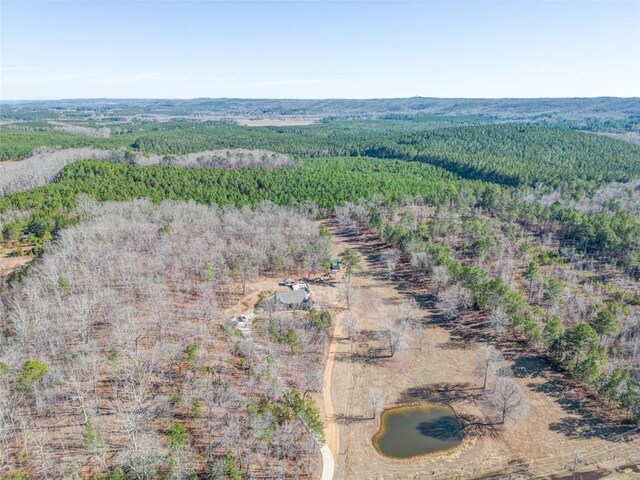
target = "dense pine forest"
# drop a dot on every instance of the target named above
(505, 154)
(523, 213)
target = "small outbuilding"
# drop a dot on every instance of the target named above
(335, 265)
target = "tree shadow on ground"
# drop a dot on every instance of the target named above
(532, 366)
(372, 356)
(321, 283)
(367, 335)
(345, 419)
(365, 350)
(581, 427)
(441, 393)
(584, 419)
(466, 331)
(586, 415)
(425, 300)
(475, 426)
(516, 469)
(591, 475)
(446, 429)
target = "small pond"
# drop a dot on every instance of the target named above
(417, 429)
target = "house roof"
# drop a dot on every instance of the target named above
(291, 297)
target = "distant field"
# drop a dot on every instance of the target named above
(591, 112)
(631, 137)
(277, 121)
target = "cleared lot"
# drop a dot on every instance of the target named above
(563, 421)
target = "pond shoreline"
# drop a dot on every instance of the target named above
(440, 431)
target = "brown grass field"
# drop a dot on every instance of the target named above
(565, 420)
(284, 121)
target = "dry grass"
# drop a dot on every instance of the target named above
(288, 121)
(9, 264)
(563, 418)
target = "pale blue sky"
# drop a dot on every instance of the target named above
(303, 49)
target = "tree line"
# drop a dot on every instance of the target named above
(470, 261)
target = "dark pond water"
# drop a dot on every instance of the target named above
(417, 429)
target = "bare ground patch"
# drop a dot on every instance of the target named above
(10, 263)
(288, 121)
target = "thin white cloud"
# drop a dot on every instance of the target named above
(290, 82)
(201, 79)
(147, 77)
(42, 78)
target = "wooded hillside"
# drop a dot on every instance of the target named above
(116, 355)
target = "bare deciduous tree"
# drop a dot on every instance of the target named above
(453, 300)
(506, 403)
(440, 278)
(391, 258)
(376, 401)
(421, 261)
(42, 167)
(488, 359)
(396, 333)
(410, 312)
(125, 309)
(351, 324)
(348, 294)
(499, 321)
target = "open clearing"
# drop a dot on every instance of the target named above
(9, 264)
(563, 418)
(276, 121)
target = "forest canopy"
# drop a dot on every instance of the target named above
(521, 221)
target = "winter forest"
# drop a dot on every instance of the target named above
(185, 296)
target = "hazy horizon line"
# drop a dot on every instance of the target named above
(69, 99)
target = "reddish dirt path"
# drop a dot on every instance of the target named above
(332, 431)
